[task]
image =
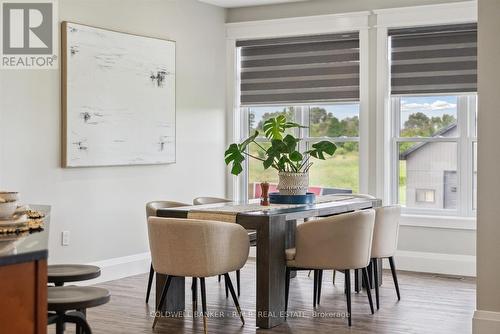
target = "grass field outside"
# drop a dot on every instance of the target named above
(340, 171)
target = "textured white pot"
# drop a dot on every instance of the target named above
(293, 183)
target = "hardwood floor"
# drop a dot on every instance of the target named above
(429, 304)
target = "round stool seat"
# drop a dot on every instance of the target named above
(64, 298)
(62, 273)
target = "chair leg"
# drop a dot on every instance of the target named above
(315, 287)
(162, 299)
(375, 281)
(238, 282)
(356, 280)
(366, 282)
(320, 282)
(287, 289)
(194, 290)
(78, 318)
(219, 278)
(347, 274)
(394, 276)
(333, 279)
(60, 324)
(204, 303)
(235, 298)
(226, 287)
(150, 281)
(309, 273)
(79, 329)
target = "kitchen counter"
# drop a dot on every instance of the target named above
(32, 247)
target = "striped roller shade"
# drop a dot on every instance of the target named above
(300, 69)
(438, 59)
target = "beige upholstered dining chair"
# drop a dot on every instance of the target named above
(385, 241)
(341, 242)
(209, 200)
(252, 235)
(198, 249)
(151, 208)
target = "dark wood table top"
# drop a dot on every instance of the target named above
(299, 212)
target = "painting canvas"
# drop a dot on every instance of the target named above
(118, 94)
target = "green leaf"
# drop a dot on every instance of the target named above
(325, 146)
(275, 127)
(291, 143)
(237, 168)
(279, 146)
(289, 125)
(247, 141)
(296, 156)
(234, 155)
(321, 148)
(268, 162)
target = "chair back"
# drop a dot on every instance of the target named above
(209, 200)
(364, 196)
(337, 242)
(151, 207)
(196, 248)
(386, 230)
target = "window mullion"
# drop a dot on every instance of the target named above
(463, 156)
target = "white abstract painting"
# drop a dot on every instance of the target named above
(118, 98)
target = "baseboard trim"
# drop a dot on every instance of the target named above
(438, 263)
(486, 322)
(121, 267)
(447, 264)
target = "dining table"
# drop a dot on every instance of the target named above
(275, 226)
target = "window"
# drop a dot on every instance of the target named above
(338, 122)
(434, 142)
(314, 81)
(425, 195)
(433, 112)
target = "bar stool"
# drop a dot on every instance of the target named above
(68, 304)
(58, 274)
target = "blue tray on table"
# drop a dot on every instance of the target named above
(276, 198)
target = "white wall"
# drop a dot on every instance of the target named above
(487, 316)
(318, 7)
(103, 208)
(444, 250)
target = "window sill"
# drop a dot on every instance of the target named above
(442, 222)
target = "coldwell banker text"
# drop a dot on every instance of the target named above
(29, 39)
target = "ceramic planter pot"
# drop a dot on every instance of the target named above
(293, 183)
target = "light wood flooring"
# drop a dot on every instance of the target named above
(430, 304)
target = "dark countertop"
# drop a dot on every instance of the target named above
(31, 247)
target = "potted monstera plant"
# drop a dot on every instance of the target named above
(282, 155)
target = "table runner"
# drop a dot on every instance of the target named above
(228, 213)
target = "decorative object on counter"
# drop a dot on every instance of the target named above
(283, 155)
(9, 196)
(118, 98)
(277, 198)
(264, 200)
(7, 208)
(30, 220)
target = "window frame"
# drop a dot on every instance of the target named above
(466, 124)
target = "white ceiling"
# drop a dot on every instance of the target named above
(245, 3)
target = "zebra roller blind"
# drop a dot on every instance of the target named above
(438, 59)
(300, 69)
